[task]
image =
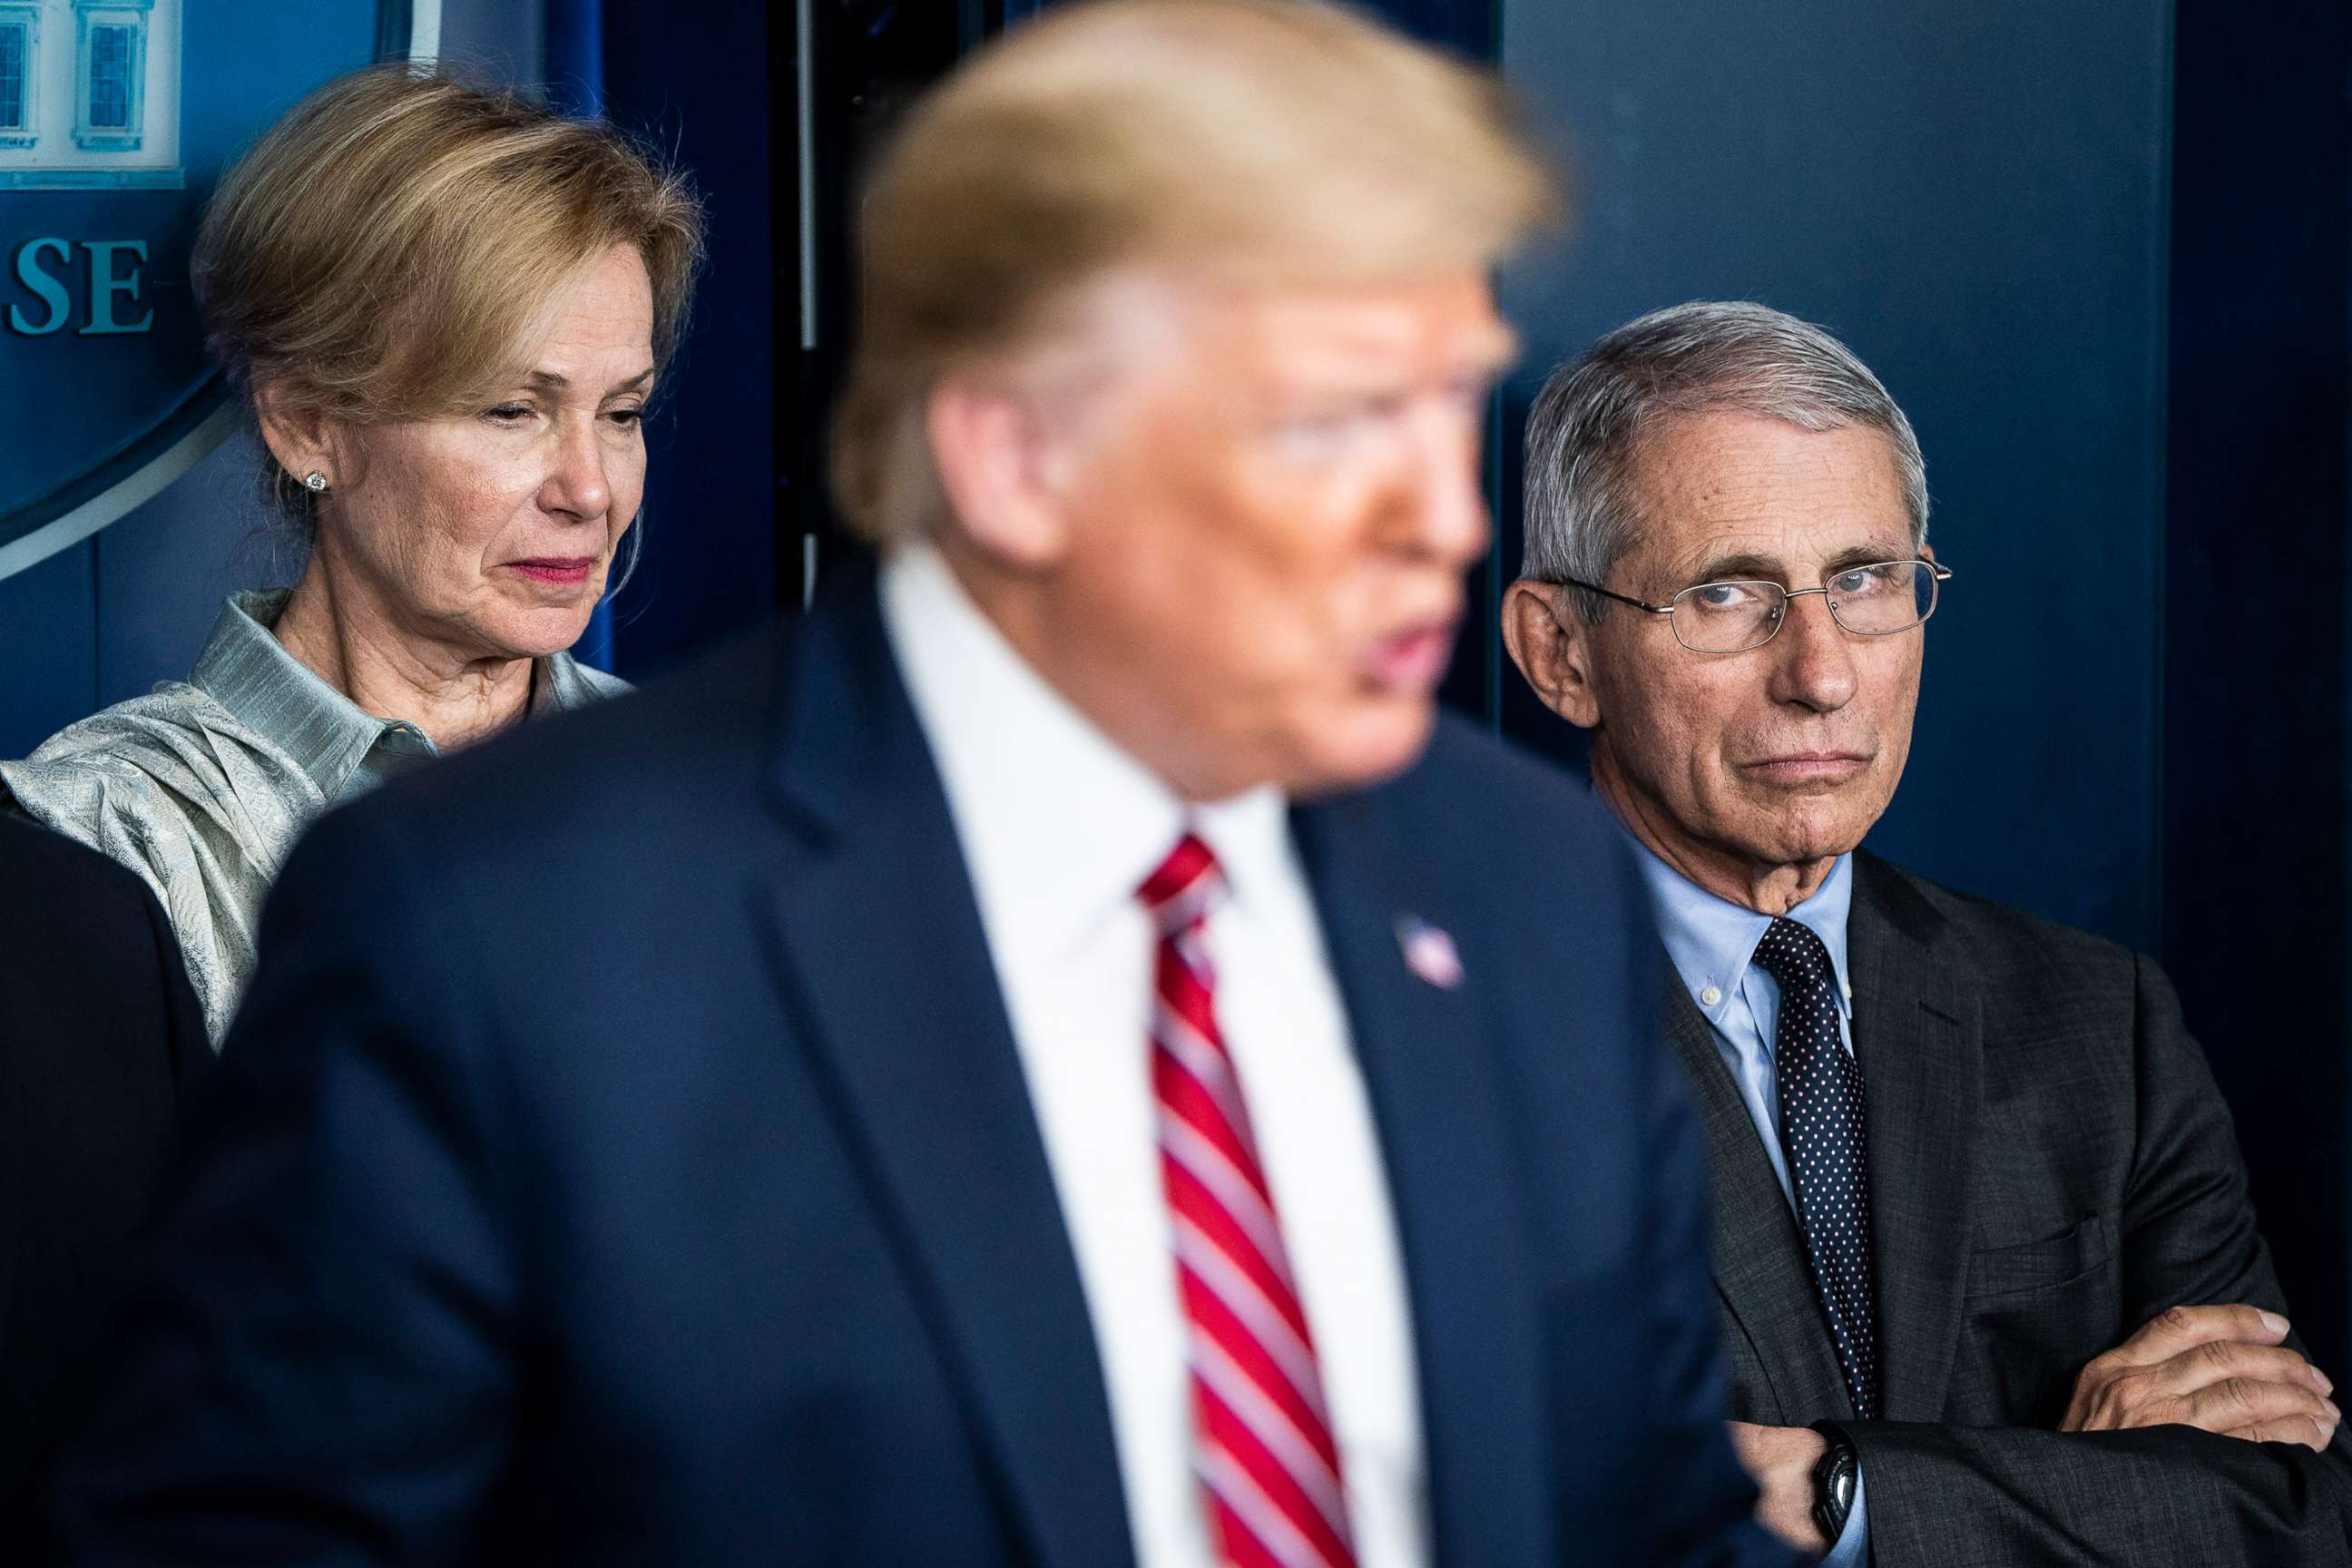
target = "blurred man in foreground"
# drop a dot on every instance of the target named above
(99, 1039)
(1979, 1211)
(1038, 1063)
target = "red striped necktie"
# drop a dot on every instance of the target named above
(1268, 1468)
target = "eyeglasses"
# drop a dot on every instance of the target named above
(1873, 601)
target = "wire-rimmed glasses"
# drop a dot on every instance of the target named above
(1874, 600)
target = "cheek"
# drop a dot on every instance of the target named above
(1671, 727)
(624, 476)
(462, 489)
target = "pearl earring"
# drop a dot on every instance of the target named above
(314, 481)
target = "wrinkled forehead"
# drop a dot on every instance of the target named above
(1730, 494)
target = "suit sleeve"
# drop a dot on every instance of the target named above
(318, 1365)
(2149, 1496)
(1703, 1509)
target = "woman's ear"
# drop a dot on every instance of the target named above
(1552, 650)
(299, 439)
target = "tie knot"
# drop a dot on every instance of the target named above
(1177, 894)
(1791, 954)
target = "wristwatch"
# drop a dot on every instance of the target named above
(1835, 1476)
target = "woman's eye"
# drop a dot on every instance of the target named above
(628, 418)
(507, 412)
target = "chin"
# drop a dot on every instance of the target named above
(538, 633)
(1366, 749)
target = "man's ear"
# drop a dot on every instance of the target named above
(1554, 652)
(301, 439)
(1003, 469)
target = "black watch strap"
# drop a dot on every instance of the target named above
(1836, 1475)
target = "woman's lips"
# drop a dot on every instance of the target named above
(564, 571)
(1411, 662)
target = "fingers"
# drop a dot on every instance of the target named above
(2313, 1435)
(2219, 1359)
(2177, 1328)
(2236, 1401)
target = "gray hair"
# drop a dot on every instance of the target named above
(1595, 413)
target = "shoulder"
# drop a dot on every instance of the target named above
(1490, 797)
(118, 774)
(49, 882)
(2005, 950)
(142, 779)
(1516, 850)
(167, 737)
(92, 974)
(586, 796)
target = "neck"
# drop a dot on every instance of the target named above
(1768, 888)
(351, 638)
(1112, 691)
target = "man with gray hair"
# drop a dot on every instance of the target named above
(1988, 1272)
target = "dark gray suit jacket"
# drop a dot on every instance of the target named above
(2051, 1167)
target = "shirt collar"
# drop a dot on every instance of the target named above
(1711, 938)
(247, 671)
(1061, 825)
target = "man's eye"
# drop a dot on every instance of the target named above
(1861, 580)
(628, 418)
(1320, 439)
(1469, 396)
(1723, 596)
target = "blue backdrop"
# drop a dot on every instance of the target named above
(2102, 252)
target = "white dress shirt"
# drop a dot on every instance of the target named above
(1059, 827)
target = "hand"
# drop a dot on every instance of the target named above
(1782, 1458)
(2219, 1368)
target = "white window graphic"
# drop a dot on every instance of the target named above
(90, 94)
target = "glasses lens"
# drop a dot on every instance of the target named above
(1725, 617)
(1890, 596)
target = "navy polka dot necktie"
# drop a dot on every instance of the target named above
(1822, 1137)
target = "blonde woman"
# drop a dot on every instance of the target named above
(446, 309)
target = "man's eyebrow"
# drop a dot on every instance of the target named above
(1766, 569)
(1868, 555)
(1746, 567)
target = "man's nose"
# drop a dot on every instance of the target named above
(1446, 503)
(1813, 656)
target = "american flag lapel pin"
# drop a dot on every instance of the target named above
(1429, 952)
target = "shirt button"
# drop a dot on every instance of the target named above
(1709, 997)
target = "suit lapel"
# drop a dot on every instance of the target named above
(1919, 1041)
(1759, 1256)
(1424, 1051)
(886, 970)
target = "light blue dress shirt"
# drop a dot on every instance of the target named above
(1711, 942)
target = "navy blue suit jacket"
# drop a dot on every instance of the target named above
(623, 1157)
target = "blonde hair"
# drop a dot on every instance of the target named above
(385, 250)
(1249, 141)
